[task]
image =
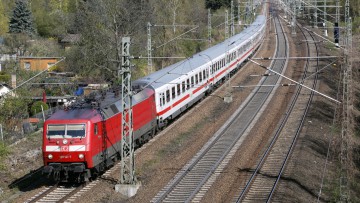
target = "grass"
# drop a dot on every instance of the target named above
(175, 144)
(330, 46)
(4, 151)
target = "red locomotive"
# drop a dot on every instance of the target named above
(82, 141)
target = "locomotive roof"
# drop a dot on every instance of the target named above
(76, 114)
(170, 73)
(109, 106)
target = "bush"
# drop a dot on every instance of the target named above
(4, 77)
(36, 107)
(4, 151)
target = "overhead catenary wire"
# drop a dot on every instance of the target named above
(169, 72)
(269, 69)
(45, 70)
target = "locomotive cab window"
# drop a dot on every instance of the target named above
(75, 130)
(66, 131)
(56, 131)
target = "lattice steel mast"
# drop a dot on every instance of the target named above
(336, 25)
(209, 26)
(149, 48)
(293, 19)
(315, 14)
(226, 24)
(346, 132)
(127, 170)
(232, 18)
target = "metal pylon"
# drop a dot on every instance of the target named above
(336, 25)
(232, 18)
(226, 24)
(127, 171)
(315, 15)
(293, 20)
(346, 131)
(325, 15)
(149, 48)
(209, 26)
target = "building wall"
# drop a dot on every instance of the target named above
(38, 64)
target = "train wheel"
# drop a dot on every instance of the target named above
(56, 176)
(153, 132)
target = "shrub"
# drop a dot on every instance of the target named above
(36, 107)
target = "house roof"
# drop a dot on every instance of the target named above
(71, 38)
(39, 57)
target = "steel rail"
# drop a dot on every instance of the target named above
(262, 160)
(299, 127)
(276, 137)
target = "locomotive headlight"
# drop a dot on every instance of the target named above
(65, 141)
(50, 156)
(81, 156)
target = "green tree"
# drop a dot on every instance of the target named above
(12, 111)
(17, 43)
(21, 19)
(36, 107)
(213, 4)
(4, 78)
(3, 19)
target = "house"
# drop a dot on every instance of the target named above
(69, 40)
(4, 89)
(37, 63)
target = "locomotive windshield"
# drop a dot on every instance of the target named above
(66, 131)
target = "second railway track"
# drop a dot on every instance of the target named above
(263, 183)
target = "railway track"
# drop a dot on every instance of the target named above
(197, 176)
(262, 185)
(61, 193)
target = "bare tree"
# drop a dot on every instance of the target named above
(102, 24)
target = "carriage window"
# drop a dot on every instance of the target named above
(163, 98)
(200, 76)
(192, 81)
(204, 75)
(167, 95)
(183, 86)
(196, 79)
(173, 92)
(178, 89)
(188, 84)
